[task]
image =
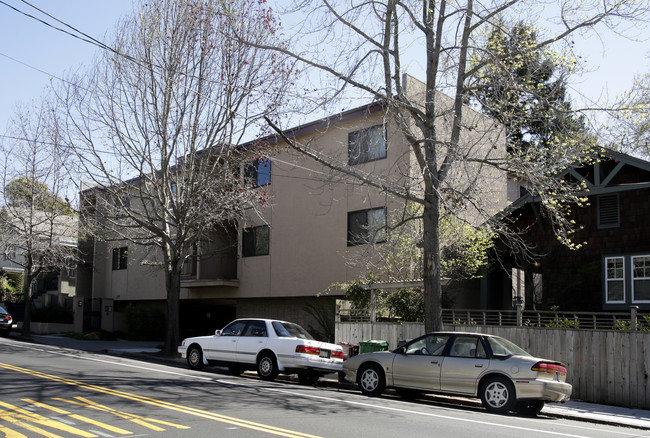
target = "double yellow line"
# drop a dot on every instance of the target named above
(165, 405)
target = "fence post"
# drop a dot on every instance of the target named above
(633, 317)
(519, 305)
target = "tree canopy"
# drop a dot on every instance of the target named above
(524, 87)
(24, 191)
(363, 50)
(157, 122)
(628, 128)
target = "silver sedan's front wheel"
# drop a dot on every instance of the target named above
(498, 395)
(372, 380)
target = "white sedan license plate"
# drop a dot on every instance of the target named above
(325, 353)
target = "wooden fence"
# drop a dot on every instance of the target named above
(604, 366)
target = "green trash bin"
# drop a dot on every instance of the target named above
(373, 345)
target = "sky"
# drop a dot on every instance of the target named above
(31, 52)
(29, 49)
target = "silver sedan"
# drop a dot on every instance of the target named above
(501, 374)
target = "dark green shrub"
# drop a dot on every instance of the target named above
(53, 314)
(145, 323)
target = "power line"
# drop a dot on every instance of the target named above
(90, 40)
(33, 17)
(42, 71)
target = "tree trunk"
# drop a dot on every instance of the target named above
(27, 298)
(431, 260)
(173, 284)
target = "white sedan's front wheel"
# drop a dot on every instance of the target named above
(195, 357)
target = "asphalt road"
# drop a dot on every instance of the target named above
(50, 391)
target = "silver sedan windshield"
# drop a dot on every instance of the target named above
(503, 347)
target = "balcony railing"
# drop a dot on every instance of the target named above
(632, 320)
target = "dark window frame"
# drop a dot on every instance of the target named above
(252, 246)
(359, 150)
(120, 258)
(359, 232)
(256, 178)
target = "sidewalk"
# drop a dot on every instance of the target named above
(572, 409)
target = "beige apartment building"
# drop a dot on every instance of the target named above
(319, 228)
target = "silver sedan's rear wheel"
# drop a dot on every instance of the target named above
(498, 395)
(195, 357)
(372, 380)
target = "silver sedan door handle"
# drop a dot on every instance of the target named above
(478, 365)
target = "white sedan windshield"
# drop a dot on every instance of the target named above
(290, 330)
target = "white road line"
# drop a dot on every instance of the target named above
(265, 385)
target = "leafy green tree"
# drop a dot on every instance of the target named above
(406, 304)
(362, 50)
(11, 288)
(465, 249)
(524, 86)
(24, 191)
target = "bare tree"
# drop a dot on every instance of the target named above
(155, 126)
(362, 50)
(38, 227)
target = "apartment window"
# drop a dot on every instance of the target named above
(255, 241)
(366, 226)
(258, 173)
(608, 211)
(641, 279)
(367, 144)
(615, 280)
(120, 258)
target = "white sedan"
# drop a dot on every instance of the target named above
(269, 346)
